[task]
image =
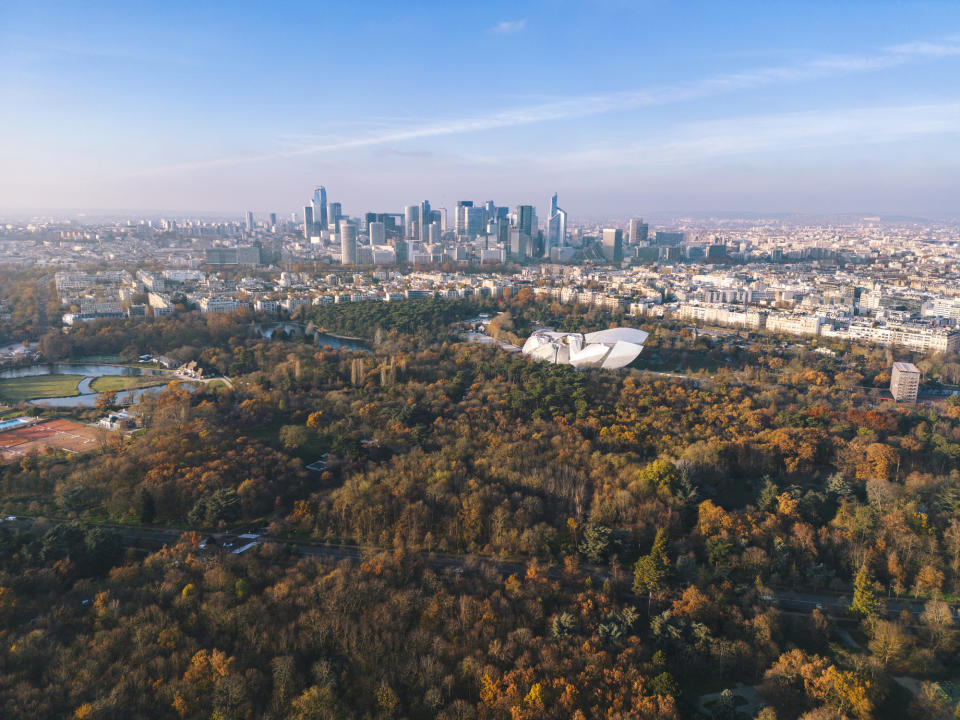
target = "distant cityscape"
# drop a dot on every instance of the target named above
(893, 283)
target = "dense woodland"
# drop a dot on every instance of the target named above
(619, 534)
(28, 304)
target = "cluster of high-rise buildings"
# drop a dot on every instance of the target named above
(484, 232)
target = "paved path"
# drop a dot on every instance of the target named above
(153, 538)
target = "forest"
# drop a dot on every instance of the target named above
(620, 538)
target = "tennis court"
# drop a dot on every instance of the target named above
(47, 436)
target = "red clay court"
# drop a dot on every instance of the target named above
(51, 434)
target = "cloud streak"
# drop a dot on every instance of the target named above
(509, 27)
(737, 137)
(592, 105)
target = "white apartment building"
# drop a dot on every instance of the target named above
(919, 338)
(719, 315)
(268, 306)
(215, 305)
(794, 324)
(942, 307)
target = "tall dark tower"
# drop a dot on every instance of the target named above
(320, 207)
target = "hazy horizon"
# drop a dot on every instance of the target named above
(655, 217)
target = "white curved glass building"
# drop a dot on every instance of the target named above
(607, 349)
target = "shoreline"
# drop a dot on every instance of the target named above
(346, 337)
(321, 331)
(151, 369)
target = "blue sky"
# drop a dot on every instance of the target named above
(622, 107)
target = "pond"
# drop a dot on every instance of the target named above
(124, 397)
(89, 371)
(85, 369)
(320, 338)
(340, 342)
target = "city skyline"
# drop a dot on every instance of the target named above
(620, 108)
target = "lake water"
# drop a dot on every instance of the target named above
(85, 369)
(90, 371)
(339, 342)
(89, 400)
(320, 338)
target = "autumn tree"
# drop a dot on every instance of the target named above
(651, 571)
(864, 602)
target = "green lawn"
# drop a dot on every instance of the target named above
(39, 386)
(120, 383)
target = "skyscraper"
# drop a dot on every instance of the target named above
(473, 221)
(401, 250)
(556, 227)
(503, 231)
(613, 245)
(424, 219)
(525, 219)
(489, 211)
(411, 221)
(249, 220)
(461, 217)
(307, 221)
(273, 219)
(378, 233)
(638, 232)
(519, 244)
(348, 243)
(333, 214)
(320, 207)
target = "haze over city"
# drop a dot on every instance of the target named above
(621, 107)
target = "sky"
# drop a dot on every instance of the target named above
(623, 107)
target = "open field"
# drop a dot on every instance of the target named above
(46, 436)
(120, 383)
(14, 390)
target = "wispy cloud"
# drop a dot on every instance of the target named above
(742, 136)
(591, 105)
(28, 50)
(508, 27)
(947, 49)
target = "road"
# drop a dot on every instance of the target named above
(787, 599)
(190, 378)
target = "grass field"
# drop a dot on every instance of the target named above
(38, 386)
(126, 382)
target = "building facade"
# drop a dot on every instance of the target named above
(904, 382)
